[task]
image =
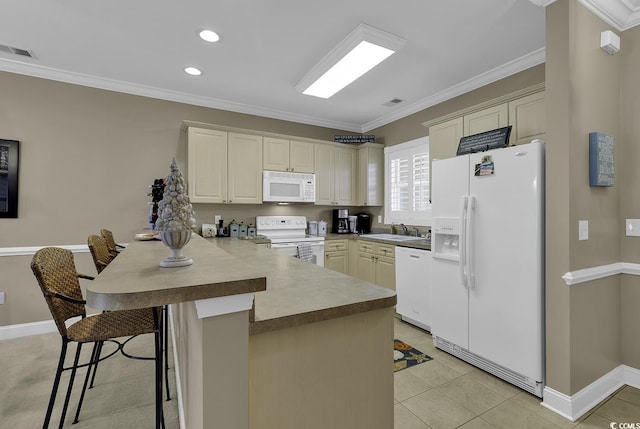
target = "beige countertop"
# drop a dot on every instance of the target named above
(418, 243)
(134, 279)
(297, 292)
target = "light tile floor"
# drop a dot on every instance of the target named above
(449, 393)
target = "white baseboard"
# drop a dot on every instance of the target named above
(574, 406)
(27, 329)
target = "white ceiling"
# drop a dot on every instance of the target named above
(267, 47)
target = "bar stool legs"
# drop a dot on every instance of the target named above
(165, 332)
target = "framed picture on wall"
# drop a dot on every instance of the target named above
(9, 157)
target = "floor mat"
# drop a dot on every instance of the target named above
(405, 356)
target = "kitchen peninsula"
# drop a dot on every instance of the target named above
(313, 350)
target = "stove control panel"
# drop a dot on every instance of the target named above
(280, 223)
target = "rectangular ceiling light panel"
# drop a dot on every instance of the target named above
(358, 53)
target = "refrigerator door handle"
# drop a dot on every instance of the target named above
(469, 244)
(462, 241)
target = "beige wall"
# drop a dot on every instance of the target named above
(629, 160)
(87, 157)
(585, 334)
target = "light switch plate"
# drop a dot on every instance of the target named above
(583, 230)
(633, 227)
(379, 218)
(1, 297)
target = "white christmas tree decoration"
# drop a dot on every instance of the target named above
(176, 219)
(175, 212)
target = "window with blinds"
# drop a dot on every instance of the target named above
(407, 183)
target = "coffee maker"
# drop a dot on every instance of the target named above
(340, 221)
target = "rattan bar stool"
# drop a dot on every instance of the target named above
(111, 242)
(55, 270)
(102, 256)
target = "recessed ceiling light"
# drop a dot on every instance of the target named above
(209, 36)
(192, 71)
(359, 52)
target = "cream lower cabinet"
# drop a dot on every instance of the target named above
(376, 263)
(335, 169)
(223, 167)
(336, 255)
(287, 155)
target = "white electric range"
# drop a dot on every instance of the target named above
(286, 233)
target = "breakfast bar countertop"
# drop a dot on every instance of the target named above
(299, 292)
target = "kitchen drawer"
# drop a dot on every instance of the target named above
(336, 245)
(366, 246)
(386, 250)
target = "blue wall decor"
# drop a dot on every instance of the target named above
(601, 160)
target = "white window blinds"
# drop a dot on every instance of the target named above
(407, 183)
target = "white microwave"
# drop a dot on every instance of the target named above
(286, 187)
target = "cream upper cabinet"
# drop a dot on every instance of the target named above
(525, 114)
(335, 169)
(301, 158)
(444, 139)
(287, 155)
(486, 119)
(528, 117)
(346, 166)
(223, 167)
(370, 176)
(244, 169)
(206, 165)
(324, 174)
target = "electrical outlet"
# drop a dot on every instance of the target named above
(217, 219)
(379, 218)
(1, 297)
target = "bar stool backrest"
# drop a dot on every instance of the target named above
(55, 271)
(100, 252)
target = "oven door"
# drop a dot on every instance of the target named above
(291, 249)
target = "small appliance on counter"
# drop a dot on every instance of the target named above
(340, 223)
(353, 224)
(322, 229)
(209, 230)
(363, 225)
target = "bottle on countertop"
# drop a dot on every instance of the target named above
(242, 229)
(251, 230)
(233, 229)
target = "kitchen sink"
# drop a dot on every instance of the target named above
(392, 237)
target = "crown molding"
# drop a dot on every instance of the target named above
(520, 64)
(620, 14)
(34, 70)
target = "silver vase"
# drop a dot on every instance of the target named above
(176, 240)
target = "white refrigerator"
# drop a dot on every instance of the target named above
(488, 273)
